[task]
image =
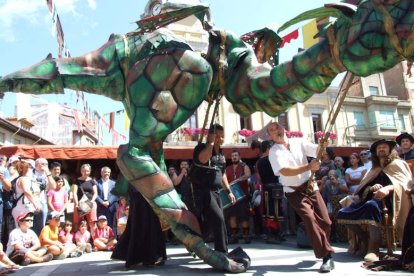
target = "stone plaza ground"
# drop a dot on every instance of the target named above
(267, 259)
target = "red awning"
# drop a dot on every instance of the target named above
(106, 152)
(109, 152)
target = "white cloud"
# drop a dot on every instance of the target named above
(12, 11)
(92, 4)
(16, 12)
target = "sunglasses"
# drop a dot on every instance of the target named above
(28, 220)
(363, 154)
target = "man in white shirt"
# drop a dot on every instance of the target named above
(365, 156)
(289, 161)
(106, 200)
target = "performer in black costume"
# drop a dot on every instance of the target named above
(143, 241)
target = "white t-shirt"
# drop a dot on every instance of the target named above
(280, 157)
(368, 165)
(17, 236)
(354, 174)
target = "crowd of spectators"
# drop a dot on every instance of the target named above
(39, 216)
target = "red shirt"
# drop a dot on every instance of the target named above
(232, 174)
(105, 233)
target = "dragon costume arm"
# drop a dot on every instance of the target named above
(97, 72)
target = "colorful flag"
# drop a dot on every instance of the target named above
(77, 118)
(287, 38)
(111, 121)
(308, 32)
(126, 121)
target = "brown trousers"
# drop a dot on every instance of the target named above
(312, 210)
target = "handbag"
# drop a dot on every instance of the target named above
(85, 205)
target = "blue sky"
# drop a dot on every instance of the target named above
(26, 32)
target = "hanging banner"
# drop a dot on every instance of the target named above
(288, 38)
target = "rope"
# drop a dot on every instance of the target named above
(341, 97)
(222, 81)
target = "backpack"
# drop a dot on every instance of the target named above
(9, 198)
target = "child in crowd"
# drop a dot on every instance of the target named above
(120, 208)
(58, 199)
(103, 236)
(50, 239)
(122, 221)
(66, 238)
(24, 246)
(83, 237)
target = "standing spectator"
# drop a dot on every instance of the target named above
(207, 198)
(27, 201)
(5, 186)
(85, 185)
(288, 158)
(106, 200)
(406, 141)
(355, 172)
(24, 246)
(103, 236)
(269, 182)
(56, 170)
(239, 172)
(339, 166)
(171, 171)
(83, 238)
(58, 198)
(49, 237)
(183, 185)
(45, 182)
(8, 223)
(365, 156)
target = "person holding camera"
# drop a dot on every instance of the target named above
(44, 182)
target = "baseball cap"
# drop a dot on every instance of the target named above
(12, 159)
(53, 215)
(102, 217)
(23, 215)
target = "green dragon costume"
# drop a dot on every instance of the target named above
(161, 82)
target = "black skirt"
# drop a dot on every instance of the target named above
(142, 242)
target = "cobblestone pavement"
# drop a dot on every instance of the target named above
(267, 259)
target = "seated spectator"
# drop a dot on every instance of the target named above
(24, 246)
(332, 185)
(49, 237)
(57, 199)
(66, 237)
(327, 164)
(340, 166)
(83, 238)
(122, 221)
(6, 265)
(103, 236)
